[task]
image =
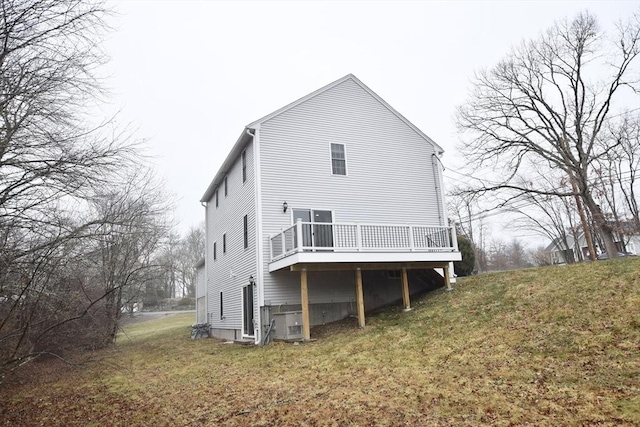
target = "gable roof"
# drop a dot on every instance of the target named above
(353, 78)
(244, 138)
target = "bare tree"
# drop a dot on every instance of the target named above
(52, 164)
(518, 256)
(192, 251)
(554, 218)
(132, 225)
(617, 176)
(178, 258)
(464, 208)
(540, 257)
(544, 107)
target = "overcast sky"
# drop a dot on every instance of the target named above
(189, 75)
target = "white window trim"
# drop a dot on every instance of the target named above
(346, 159)
(333, 213)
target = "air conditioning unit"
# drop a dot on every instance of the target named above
(288, 325)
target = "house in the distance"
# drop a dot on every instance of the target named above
(563, 251)
(323, 209)
(570, 249)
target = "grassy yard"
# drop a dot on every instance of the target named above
(548, 346)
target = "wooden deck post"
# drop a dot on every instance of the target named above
(405, 290)
(304, 294)
(447, 279)
(359, 298)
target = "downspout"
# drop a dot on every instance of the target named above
(442, 211)
(436, 179)
(257, 323)
(206, 266)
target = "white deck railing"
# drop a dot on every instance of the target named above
(344, 237)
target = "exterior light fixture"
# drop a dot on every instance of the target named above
(285, 206)
(252, 281)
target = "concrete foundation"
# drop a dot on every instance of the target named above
(225, 334)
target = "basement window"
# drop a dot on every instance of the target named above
(393, 274)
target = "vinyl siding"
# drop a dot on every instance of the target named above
(200, 282)
(390, 175)
(231, 270)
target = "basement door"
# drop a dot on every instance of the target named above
(318, 231)
(247, 310)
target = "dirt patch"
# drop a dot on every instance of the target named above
(322, 331)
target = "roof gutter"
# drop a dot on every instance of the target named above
(226, 166)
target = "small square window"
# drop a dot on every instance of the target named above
(338, 159)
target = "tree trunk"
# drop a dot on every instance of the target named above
(604, 230)
(585, 224)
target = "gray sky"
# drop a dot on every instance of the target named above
(189, 75)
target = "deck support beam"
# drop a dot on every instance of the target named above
(359, 298)
(405, 290)
(447, 278)
(304, 294)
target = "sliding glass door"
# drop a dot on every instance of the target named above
(317, 231)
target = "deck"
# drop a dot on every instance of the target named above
(312, 242)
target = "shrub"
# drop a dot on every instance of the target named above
(186, 302)
(465, 267)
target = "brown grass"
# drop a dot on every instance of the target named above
(550, 346)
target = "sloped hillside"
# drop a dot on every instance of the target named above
(549, 346)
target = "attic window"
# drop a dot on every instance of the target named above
(338, 159)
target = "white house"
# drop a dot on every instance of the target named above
(326, 207)
(565, 251)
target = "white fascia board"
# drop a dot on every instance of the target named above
(362, 257)
(299, 101)
(438, 149)
(226, 165)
